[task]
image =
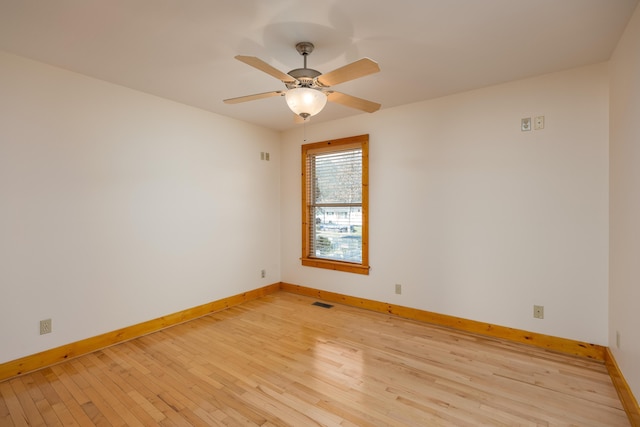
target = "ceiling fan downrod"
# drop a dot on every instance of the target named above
(304, 76)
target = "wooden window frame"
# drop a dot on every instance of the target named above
(361, 142)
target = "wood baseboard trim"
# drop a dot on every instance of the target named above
(562, 345)
(59, 354)
(629, 402)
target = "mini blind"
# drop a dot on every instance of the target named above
(334, 212)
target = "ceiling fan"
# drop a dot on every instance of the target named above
(308, 89)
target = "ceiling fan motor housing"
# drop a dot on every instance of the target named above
(305, 78)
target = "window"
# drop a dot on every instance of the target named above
(335, 184)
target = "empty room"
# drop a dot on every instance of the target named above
(319, 213)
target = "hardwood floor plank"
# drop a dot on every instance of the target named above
(10, 401)
(37, 388)
(5, 415)
(279, 361)
(28, 405)
(68, 408)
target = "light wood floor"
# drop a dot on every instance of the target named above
(280, 361)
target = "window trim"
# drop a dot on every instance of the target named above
(361, 142)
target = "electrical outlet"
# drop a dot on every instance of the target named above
(45, 326)
(398, 289)
(538, 311)
(525, 124)
(266, 156)
(538, 122)
(263, 273)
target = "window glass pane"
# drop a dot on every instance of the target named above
(338, 177)
(337, 234)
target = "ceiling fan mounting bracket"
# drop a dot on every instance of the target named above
(305, 48)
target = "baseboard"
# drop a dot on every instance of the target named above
(625, 394)
(562, 345)
(78, 348)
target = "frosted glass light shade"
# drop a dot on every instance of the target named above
(305, 102)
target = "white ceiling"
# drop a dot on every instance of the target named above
(183, 49)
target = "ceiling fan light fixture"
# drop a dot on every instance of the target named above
(305, 102)
(308, 89)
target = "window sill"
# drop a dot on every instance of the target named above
(336, 265)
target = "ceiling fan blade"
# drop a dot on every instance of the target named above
(360, 68)
(353, 102)
(254, 97)
(263, 66)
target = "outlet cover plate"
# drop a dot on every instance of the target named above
(538, 311)
(45, 326)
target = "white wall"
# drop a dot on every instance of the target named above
(117, 207)
(475, 218)
(624, 287)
